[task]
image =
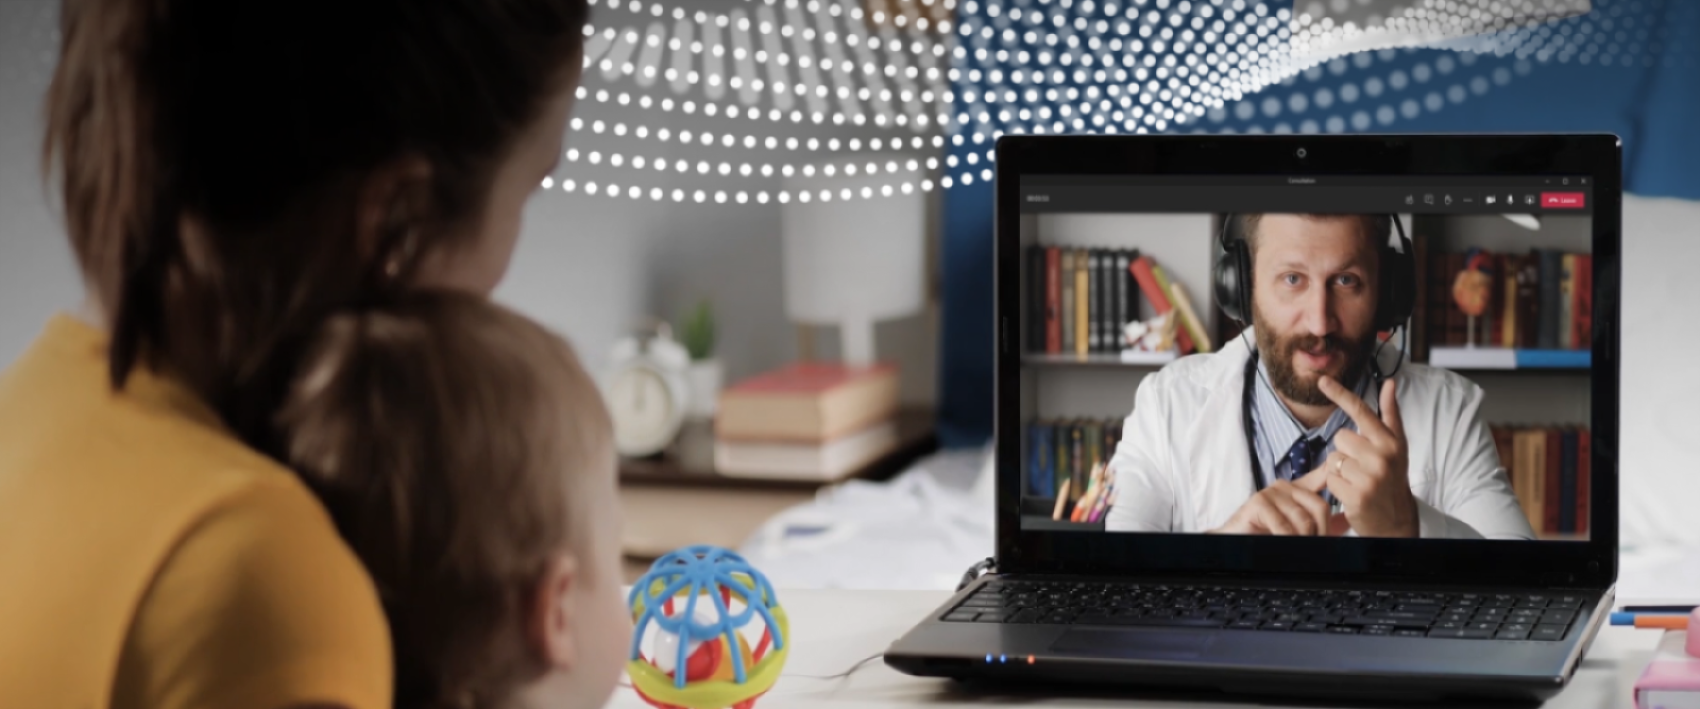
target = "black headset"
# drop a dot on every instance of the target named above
(1397, 281)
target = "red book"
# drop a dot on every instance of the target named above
(1582, 483)
(1554, 442)
(1582, 305)
(1141, 269)
(1053, 300)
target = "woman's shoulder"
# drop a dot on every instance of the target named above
(134, 510)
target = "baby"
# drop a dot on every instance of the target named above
(467, 459)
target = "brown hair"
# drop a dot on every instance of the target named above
(443, 432)
(211, 155)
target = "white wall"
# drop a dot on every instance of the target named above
(592, 267)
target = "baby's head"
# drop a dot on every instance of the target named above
(467, 459)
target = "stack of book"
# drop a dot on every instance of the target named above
(1079, 299)
(1539, 300)
(1062, 456)
(1549, 470)
(808, 421)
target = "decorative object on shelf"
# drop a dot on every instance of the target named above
(1154, 335)
(1472, 290)
(647, 391)
(707, 632)
(706, 373)
(846, 264)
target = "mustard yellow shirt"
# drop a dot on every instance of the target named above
(150, 560)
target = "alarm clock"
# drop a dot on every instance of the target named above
(646, 392)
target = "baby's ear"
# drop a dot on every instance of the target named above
(551, 621)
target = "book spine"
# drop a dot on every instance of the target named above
(1189, 318)
(1108, 337)
(1095, 277)
(1034, 290)
(1567, 482)
(1082, 307)
(1567, 302)
(1584, 302)
(1522, 483)
(1125, 310)
(1584, 483)
(1508, 303)
(1077, 460)
(1061, 448)
(1553, 492)
(1528, 299)
(1053, 300)
(1067, 276)
(1546, 336)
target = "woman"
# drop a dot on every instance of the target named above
(234, 172)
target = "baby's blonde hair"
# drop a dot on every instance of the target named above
(443, 432)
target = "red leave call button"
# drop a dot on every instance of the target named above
(1562, 200)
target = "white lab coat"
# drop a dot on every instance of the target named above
(1183, 464)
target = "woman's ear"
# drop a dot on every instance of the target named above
(392, 199)
(552, 617)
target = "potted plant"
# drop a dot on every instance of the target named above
(696, 333)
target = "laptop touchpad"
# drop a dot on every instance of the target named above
(1134, 643)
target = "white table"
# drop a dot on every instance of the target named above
(833, 630)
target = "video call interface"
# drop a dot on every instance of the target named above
(1398, 356)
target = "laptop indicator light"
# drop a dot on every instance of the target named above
(1029, 659)
(988, 659)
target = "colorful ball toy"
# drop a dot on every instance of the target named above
(707, 632)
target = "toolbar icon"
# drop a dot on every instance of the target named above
(1428, 199)
(1492, 198)
(1410, 199)
(1529, 200)
(1448, 200)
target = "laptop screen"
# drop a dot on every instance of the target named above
(1397, 356)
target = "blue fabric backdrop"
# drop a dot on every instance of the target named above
(1629, 67)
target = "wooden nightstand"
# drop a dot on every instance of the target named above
(677, 499)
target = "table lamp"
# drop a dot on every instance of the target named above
(855, 247)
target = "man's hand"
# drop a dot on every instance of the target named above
(1367, 470)
(1286, 508)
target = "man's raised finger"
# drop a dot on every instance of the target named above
(1367, 421)
(1390, 409)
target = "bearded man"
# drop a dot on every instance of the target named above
(1315, 430)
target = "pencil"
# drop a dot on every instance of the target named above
(1105, 508)
(1663, 622)
(1062, 499)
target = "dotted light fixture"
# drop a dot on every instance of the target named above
(908, 72)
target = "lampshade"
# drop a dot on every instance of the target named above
(851, 260)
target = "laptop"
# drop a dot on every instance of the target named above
(1183, 500)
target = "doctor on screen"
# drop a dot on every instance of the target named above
(1302, 426)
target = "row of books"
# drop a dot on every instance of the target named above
(1549, 470)
(1079, 299)
(1539, 300)
(814, 421)
(1061, 456)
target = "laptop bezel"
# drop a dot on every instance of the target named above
(1573, 564)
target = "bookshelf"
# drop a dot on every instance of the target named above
(1510, 359)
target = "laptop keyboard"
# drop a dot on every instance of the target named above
(1478, 616)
